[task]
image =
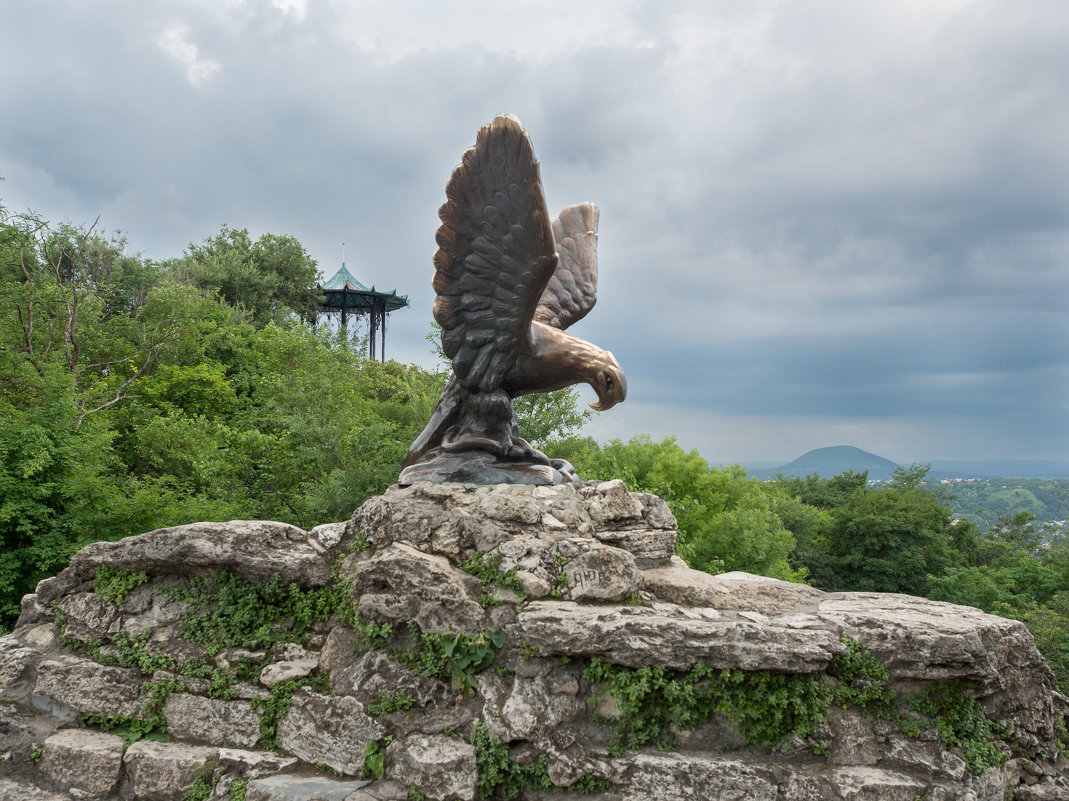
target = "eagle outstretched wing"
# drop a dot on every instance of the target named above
(495, 255)
(573, 288)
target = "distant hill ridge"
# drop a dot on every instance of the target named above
(827, 462)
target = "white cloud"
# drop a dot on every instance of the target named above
(822, 223)
(390, 31)
(298, 9)
(174, 41)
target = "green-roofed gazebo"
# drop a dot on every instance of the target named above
(344, 294)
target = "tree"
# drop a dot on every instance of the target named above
(85, 313)
(81, 325)
(822, 493)
(273, 278)
(888, 539)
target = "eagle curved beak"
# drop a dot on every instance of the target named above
(611, 386)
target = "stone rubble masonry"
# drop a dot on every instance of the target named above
(166, 771)
(434, 760)
(212, 720)
(17, 671)
(401, 583)
(14, 790)
(454, 520)
(85, 759)
(252, 549)
(89, 688)
(599, 578)
(328, 730)
(673, 636)
(301, 788)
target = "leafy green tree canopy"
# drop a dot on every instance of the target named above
(272, 278)
(888, 539)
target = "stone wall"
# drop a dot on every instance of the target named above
(454, 641)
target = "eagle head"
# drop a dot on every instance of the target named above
(609, 382)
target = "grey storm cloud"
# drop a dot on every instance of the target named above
(821, 222)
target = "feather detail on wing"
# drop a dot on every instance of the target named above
(573, 289)
(495, 255)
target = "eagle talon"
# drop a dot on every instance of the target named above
(468, 441)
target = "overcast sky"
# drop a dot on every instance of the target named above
(822, 223)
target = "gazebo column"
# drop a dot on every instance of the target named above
(381, 309)
(374, 325)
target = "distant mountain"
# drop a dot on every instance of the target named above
(827, 462)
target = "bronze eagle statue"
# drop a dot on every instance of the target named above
(508, 281)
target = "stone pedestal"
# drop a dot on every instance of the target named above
(463, 652)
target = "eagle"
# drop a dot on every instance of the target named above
(508, 282)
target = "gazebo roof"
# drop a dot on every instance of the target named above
(343, 279)
(343, 291)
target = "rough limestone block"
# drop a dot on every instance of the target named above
(339, 651)
(22, 729)
(610, 503)
(932, 641)
(1051, 788)
(651, 547)
(877, 783)
(507, 505)
(166, 771)
(602, 573)
(212, 720)
(332, 731)
(20, 790)
(373, 674)
(679, 584)
(534, 586)
(85, 759)
(929, 757)
(744, 592)
(382, 790)
(326, 536)
(252, 549)
(917, 639)
(150, 608)
(39, 636)
(32, 612)
(454, 519)
(533, 556)
(90, 688)
(288, 670)
(16, 670)
(89, 617)
(444, 764)
(673, 637)
(518, 707)
(854, 738)
(655, 511)
(252, 764)
(401, 583)
(679, 777)
(300, 788)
